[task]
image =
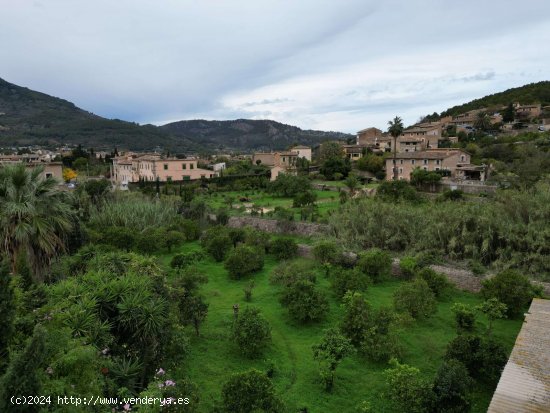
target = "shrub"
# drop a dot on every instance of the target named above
(376, 264)
(216, 242)
(244, 260)
(344, 280)
(190, 229)
(251, 332)
(510, 288)
(289, 272)
(380, 342)
(407, 389)
(305, 198)
(332, 349)
(408, 267)
(173, 238)
(304, 302)
(257, 239)
(120, 237)
(452, 195)
(357, 318)
(151, 241)
(237, 235)
(415, 298)
(395, 191)
(186, 259)
(327, 252)
(465, 317)
(250, 392)
(437, 282)
(289, 185)
(284, 248)
(452, 386)
(484, 358)
(248, 291)
(222, 216)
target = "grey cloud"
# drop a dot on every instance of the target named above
(150, 61)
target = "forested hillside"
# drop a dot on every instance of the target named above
(532, 93)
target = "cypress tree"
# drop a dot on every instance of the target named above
(22, 378)
(7, 313)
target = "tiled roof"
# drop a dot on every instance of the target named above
(368, 129)
(525, 382)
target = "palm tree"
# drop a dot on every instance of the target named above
(35, 217)
(483, 121)
(395, 130)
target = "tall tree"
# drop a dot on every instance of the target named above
(21, 378)
(7, 313)
(483, 121)
(35, 217)
(395, 129)
(509, 113)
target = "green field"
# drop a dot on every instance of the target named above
(326, 201)
(214, 357)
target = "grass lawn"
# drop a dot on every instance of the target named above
(326, 201)
(214, 357)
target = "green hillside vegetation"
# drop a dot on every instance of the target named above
(34, 118)
(134, 295)
(213, 357)
(249, 134)
(532, 93)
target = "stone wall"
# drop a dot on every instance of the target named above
(278, 227)
(462, 279)
(469, 188)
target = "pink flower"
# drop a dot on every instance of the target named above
(127, 407)
(169, 383)
(160, 372)
(49, 370)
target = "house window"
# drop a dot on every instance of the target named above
(437, 162)
(183, 166)
(168, 179)
(400, 170)
(49, 175)
(186, 177)
(165, 166)
(191, 166)
(462, 158)
(283, 158)
(425, 162)
(203, 176)
(401, 161)
(412, 161)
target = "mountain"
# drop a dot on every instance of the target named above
(28, 117)
(531, 93)
(246, 133)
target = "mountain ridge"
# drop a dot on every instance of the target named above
(30, 117)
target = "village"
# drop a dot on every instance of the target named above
(430, 145)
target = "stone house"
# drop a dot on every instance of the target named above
(456, 161)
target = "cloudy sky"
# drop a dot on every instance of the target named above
(319, 64)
